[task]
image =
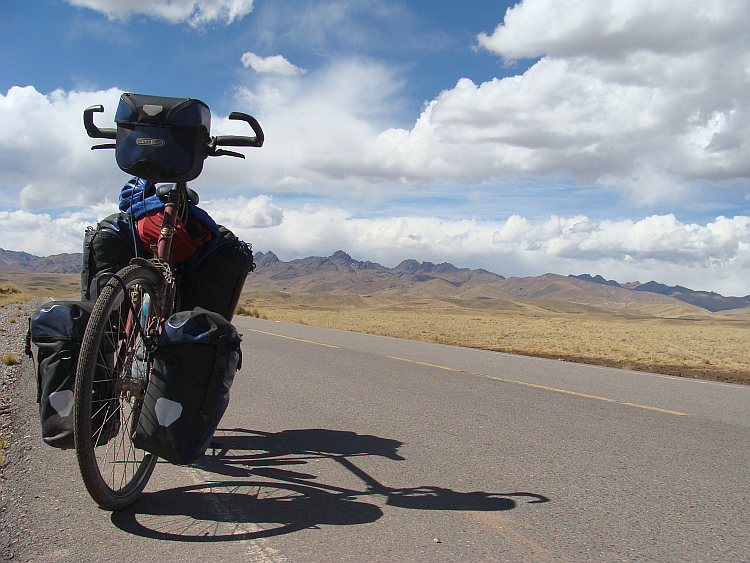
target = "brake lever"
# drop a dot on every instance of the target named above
(213, 150)
(223, 152)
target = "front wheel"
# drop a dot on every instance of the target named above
(113, 371)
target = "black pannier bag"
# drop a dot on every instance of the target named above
(106, 250)
(193, 369)
(57, 329)
(214, 277)
(162, 139)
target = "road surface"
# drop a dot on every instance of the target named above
(340, 446)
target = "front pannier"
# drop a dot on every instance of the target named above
(193, 369)
(57, 330)
(162, 139)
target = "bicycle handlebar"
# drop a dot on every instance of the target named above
(93, 131)
(222, 140)
(238, 141)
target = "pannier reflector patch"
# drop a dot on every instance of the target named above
(152, 110)
(62, 402)
(167, 411)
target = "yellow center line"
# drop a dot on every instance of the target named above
(291, 338)
(540, 386)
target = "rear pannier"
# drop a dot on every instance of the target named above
(193, 369)
(106, 250)
(214, 278)
(162, 139)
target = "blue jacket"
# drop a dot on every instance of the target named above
(132, 201)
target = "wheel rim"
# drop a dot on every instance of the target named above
(114, 470)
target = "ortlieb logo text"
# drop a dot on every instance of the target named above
(150, 142)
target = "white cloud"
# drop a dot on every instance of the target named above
(648, 123)
(243, 213)
(643, 89)
(712, 256)
(43, 234)
(645, 98)
(615, 28)
(45, 154)
(47, 162)
(275, 64)
(194, 12)
(319, 127)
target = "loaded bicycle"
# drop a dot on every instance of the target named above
(164, 142)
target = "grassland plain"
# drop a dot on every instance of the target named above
(713, 347)
(24, 286)
(658, 339)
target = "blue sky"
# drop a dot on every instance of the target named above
(541, 136)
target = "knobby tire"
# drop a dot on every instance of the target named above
(110, 385)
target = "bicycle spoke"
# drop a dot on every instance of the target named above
(111, 381)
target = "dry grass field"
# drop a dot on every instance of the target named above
(22, 287)
(713, 347)
(657, 339)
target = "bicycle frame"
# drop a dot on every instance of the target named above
(177, 196)
(134, 323)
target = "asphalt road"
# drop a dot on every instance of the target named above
(346, 447)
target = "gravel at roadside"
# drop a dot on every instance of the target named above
(14, 323)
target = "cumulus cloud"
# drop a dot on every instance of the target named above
(43, 234)
(243, 213)
(319, 127)
(712, 256)
(646, 98)
(275, 64)
(45, 154)
(660, 237)
(648, 117)
(47, 161)
(638, 96)
(194, 12)
(615, 29)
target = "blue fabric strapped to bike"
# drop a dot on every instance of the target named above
(137, 203)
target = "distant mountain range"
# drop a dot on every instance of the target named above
(22, 262)
(704, 299)
(340, 273)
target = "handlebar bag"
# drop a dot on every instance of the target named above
(57, 329)
(196, 358)
(162, 139)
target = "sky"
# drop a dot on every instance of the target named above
(607, 137)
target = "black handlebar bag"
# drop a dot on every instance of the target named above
(162, 139)
(193, 368)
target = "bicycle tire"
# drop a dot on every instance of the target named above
(111, 380)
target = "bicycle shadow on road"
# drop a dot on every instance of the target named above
(256, 493)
